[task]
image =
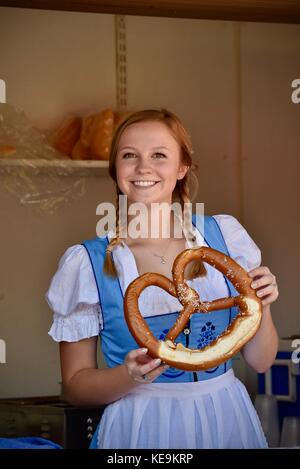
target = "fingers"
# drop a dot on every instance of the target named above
(136, 353)
(156, 373)
(268, 279)
(141, 367)
(269, 299)
(145, 369)
(262, 270)
(266, 291)
(262, 277)
(131, 361)
(265, 284)
(152, 370)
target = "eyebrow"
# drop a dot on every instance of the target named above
(153, 148)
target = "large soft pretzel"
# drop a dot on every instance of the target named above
(241, 329)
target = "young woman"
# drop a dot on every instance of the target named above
(149, 404)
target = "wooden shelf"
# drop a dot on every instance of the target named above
(270, 11)
(54, 167)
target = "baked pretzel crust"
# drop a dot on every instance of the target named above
(239, 332)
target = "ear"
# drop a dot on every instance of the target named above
(182, 171)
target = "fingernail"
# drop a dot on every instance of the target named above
(144, 350)
(253, 285)
(157, 361)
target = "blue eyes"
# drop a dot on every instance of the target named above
(133, 155)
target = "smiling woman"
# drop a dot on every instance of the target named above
(152, 405)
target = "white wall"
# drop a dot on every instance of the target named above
(229, 82)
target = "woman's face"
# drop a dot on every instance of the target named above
(148, 163)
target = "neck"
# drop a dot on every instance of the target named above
(157, 223)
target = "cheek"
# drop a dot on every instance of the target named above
(120, 171)
(172, 175)
(123, 176)
(120, 181)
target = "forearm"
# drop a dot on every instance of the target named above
(94, 387)
(260, 351)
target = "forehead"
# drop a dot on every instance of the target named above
(145, 133)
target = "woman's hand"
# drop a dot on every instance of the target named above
(142, 368)
(264, 282)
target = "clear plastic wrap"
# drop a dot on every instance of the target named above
(31, 169)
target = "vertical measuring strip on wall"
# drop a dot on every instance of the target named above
(121, 65)
(239, 117)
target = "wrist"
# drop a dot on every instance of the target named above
(127, 377)
(266, 309)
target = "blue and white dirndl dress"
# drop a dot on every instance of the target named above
(179, 410)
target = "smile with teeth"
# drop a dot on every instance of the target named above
(144, 183)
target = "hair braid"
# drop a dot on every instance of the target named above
(109, 266)
(198, 268)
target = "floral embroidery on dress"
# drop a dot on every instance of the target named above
(207, 335)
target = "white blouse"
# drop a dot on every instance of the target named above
(73, 295)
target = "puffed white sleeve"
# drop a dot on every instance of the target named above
(73, 298)
(240, 245)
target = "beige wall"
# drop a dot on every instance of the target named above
(230, 83)
(54, 63)
(271, 155)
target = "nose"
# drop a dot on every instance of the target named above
(143, 166)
